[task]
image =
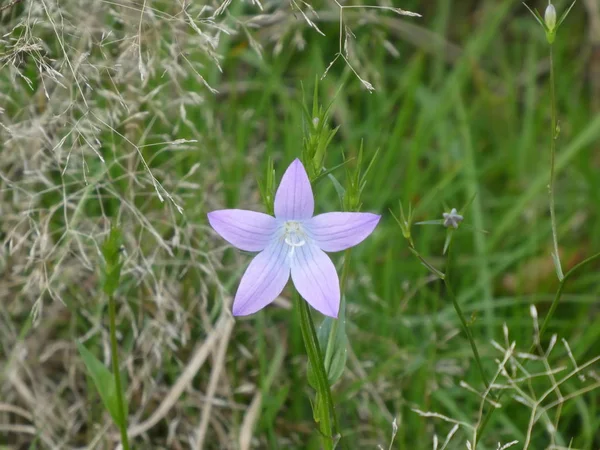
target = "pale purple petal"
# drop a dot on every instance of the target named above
(337, 231)
(316, 279)
(247, 230)
(294, 198)
(263, 281)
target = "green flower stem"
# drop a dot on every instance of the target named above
(446, 279)
(545, 324)
(117, 374)
(463, 320)
(467, 331)
(309, 335)
(553, 137)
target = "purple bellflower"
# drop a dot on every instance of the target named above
(293, 242)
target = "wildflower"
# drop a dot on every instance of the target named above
(550, 17)
(452, 219)
(549, 22)
(293, 242)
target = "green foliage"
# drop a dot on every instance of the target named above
(318, 135)
(268, 187)
(333, 343)
(356, 180)
(105, 384)
(461, 109)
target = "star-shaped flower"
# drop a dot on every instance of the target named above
(452, 219)
(293, 242)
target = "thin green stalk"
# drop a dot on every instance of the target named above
(553, 137)
(561, 287)
(467, 331)
(313, 351)
(545, 324)
(115, 365)
(462, 318)
(446, 279)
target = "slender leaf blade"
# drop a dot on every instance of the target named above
(104, 381)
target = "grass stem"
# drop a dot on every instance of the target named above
(553, 137)
(467, 331)
(462, 318)
(446, 279)
(117, 374)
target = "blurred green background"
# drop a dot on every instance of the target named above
(460, 108)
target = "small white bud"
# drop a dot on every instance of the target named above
(550, 17)
(533, 312)
(452, 219)
(315, 122)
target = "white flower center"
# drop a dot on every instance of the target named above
(293, 235)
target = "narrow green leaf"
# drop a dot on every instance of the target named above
(564, 16)
(266, 186)
(537, 16)
(368, 169)
(466, 205)
(315, 112)
(332, 337)
(431, 222)
(307, 114)
(466, 226)
(333, 343)
(328, 135)
(404, 222)
(312, 380)
(341, 192)
(448, 240)
(557, 266)
(328, 171)
(433, 270)
(104, 381)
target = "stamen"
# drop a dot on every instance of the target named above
(293, 236)
(297, 244)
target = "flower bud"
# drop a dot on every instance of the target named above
(452, 219)
(550, 17)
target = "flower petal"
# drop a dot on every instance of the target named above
(294, 198)
(263, 281)
(337, 231)
(247, 230)
(315, 279)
